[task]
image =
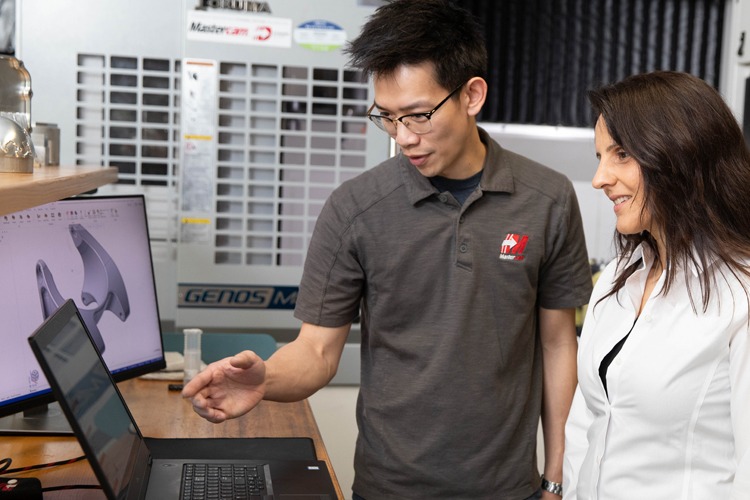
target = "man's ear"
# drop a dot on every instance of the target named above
(476, 89)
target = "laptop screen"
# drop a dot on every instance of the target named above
(88, 395)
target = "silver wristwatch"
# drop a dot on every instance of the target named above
(551, 486)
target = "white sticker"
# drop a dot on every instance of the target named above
(243, 29)
(319, 35)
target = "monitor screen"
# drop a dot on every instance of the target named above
(96, 251)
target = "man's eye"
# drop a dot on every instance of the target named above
(419, 118)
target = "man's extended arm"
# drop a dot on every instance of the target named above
(304, 366)
(233, 386)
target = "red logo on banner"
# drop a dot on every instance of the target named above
(263, 33)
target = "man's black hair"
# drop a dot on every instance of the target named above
(411, 32)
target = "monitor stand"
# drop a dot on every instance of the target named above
(42, 420)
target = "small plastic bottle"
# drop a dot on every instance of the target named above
(192, 353)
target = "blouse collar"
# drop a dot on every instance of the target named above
(646, 256)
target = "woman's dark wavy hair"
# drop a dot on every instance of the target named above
(695, 170)
(410, 32)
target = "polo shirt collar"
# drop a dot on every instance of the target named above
(496, 173)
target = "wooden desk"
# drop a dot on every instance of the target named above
(159, 413)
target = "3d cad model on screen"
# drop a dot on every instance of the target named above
(103, 285)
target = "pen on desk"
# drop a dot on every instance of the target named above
(174, 387)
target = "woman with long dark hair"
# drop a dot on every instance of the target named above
(662, 410)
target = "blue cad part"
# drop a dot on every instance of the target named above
(102, 284)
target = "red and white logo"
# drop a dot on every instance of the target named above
(263, 33)
(513, 246)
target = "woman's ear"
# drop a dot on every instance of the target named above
(476, 89)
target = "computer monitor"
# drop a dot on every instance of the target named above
(96, 251)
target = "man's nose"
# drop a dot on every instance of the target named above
(404, 136)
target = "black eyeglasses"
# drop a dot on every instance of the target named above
(418, 123)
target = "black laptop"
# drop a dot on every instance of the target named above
(131, 466)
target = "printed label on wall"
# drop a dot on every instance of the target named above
(216, 296)
(244, 29)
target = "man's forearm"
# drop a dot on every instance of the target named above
(302, 367)
(559, 351)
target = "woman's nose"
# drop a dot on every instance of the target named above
(601, 176)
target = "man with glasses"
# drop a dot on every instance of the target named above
(463, 262)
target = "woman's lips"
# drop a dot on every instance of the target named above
(620, 201)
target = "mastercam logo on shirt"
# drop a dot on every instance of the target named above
(513, 247)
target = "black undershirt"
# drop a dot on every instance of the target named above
(459, 188)
(611, 355)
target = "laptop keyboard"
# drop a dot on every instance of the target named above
(222, 482)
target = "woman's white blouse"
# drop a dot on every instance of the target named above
(676, 422)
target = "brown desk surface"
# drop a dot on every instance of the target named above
(159, 413)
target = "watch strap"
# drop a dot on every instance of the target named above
(551, 486)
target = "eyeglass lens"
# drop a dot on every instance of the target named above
(420, 123)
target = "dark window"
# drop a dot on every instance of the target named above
(545, 54)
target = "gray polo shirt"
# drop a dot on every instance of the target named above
(448, 296)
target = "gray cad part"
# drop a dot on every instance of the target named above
(102, 281)
(52, 299)
(102, 284)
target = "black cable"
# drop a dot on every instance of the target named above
(73, 487)
(5, 463)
